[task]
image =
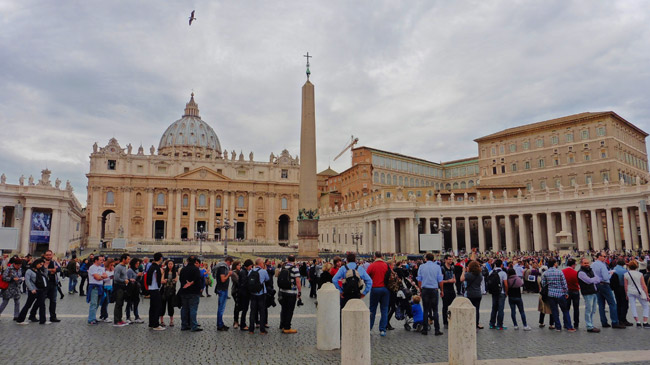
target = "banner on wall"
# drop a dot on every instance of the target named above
(40, 227)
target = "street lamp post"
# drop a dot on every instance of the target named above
(226, 225)
(356, 237)
(201, 235)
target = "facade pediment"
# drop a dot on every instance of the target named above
(202, 173)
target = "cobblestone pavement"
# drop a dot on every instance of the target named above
(73, 341)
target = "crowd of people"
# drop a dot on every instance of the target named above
(402, 289)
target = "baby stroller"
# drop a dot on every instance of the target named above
(403, 305)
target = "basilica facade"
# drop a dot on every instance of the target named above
(190, 185)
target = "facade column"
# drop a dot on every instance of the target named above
(148, 219)
(627, 233)
(64, 228)
(192, 225)
(611, 240)
(468, 237)
(634, 228)
(580, 228)
(250, 224)
(177, 215)
(510, 244)
(601, 229)
(126, 211)
(380, 235)
(383, 246)
(617, 230)
(55, 230)
(494, 231)
(270, 219)
(454, 235)
(595, 231)
(427, 227)
(93, 223)
(537, 233)
(212, 201)
(24, 233)
(293, 213)
(232, 233)
(644, 231)
(169, 234)
(523, 234)
(415, 248)
(481, 235)
(365, 238)
(551, 230)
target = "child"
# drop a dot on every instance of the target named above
(418, 315)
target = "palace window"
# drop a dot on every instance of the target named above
(462, 185)
(527, 165)
(202, 202)
(513, 147)
(556, 162)
(284, 203)
(540, 142)
(513, 167)
(389, 178)
(455, 185)
(558, 182)
(494, 151)
(569, 137)
(383, 178)
(572, 181)
(571, 159)
(284, 174)
(401, 181)
(186, 200)
(218, 201)
(554, 140)
(501, 150)
(542, 184)
(540, 163)
(529, 186)
(111, 164)
(394, 179)
(585, 134)
(160, 199)
(526, 145)
(587, 179)
(240, 201)
(587, 157)
(376, 177)
(600, 131)
(411, 182)
(470, 184)
(605, 175)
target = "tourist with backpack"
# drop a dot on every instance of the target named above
(255, 283)
(378, 271)
(290, 290)
(355, 280)
(447, 285)
(222, 273)
(153, 284)
(429, 278)
(497, 285)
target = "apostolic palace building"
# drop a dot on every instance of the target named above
(585, 175)
(188, 185)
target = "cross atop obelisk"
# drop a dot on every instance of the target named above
(308, 57)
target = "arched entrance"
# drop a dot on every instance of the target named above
(109, 221)
(283, 228)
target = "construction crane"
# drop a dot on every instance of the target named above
(353, 141)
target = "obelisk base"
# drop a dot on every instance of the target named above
(308, 238)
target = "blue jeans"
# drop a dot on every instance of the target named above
(72, 283)
(379, 296)
(496, 316)
(564, 307)
(605, 294)
(590, 309)
(223, 296)
(514, 304)
(94, 303)
(188, 311)
(132, 305)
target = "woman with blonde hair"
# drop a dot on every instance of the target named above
(636, 290)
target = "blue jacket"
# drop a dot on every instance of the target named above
(340, 275)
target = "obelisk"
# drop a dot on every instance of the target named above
(308, 201)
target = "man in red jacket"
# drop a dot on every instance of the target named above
(571, 276)
(379, 294)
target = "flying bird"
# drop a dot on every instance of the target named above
(192, 18)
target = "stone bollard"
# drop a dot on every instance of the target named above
(328, 332)
(355, 333)
(462, 332)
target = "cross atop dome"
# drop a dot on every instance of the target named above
(192, 108)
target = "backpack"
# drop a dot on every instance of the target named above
(614, 283)
(391, 280)
(3, 284)
(146, 282)
(494, 283)
(312, 272)
(284, 279)
(352, 284)
(253, 283)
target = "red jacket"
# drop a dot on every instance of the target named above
(571, 277)
(377, 271)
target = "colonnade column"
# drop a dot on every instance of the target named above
(634, 228)
(192, 224)
(148, 220)
(510, 244)
(481, 234)
(468, 237)
(494, 231)
(24, 233)
(537, 233)
(523, 234)
(565, 222)
(644, 230)
(365, 239)
(454, 235)
(611, 240)
(177, 214)
(551, 230)
(170, 218)
(427, 225)
(627, 234)
(617, 230)
(55, 230)
(580, 228)
(595, 230)
(390, 245)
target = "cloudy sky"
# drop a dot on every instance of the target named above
(422, 78)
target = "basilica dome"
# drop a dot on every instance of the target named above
(189, 132)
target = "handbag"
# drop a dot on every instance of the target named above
(632, 280)
(544, 292)
(176, 301)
